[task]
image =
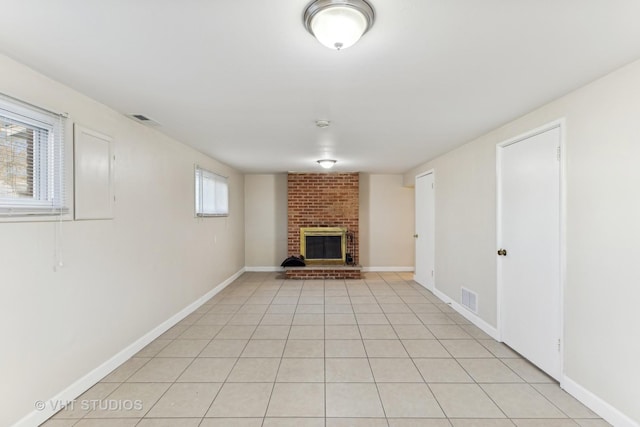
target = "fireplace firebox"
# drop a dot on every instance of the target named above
(323, 245)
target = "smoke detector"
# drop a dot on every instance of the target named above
(323, 123)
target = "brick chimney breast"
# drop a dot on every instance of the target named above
(323, 200)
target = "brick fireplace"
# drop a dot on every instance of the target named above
(318, 200)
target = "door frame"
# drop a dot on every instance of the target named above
(561, 124)
(431, 172)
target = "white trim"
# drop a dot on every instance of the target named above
(473, 318)
(427, 172)
(431, 172)
(91, 378)
(387, 269)
(264, 269)
(561, 124)
(596, 404)
(498, 240)
(563, 237)
(610, 414)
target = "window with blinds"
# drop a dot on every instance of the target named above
(212, 193)
(31, 160)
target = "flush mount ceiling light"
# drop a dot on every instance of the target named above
(338, 24)
(327, 163)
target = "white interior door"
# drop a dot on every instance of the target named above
(425, 230)
(529, 232)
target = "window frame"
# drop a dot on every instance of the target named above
(199, 178)
(49, 162)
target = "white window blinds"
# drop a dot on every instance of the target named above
(212, 193)
(31, 160)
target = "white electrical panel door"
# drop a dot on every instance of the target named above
(93, 162)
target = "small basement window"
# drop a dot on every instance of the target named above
(212, 193)
(31, 160)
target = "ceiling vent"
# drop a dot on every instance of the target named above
(141, 118)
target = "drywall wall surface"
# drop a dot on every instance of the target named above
(387, 213)
(265, 219)
(120, 278)
(602, 230)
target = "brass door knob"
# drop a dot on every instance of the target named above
(502, 252)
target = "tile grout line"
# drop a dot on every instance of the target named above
(371, 284)
(232, 368)
(417, 369)
(275, 379)
(375, 382)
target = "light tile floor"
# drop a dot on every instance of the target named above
(381, 351)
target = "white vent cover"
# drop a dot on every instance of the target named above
(141, 118)
(469, 300)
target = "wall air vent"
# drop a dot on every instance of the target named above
(469, 300)
(141, 118)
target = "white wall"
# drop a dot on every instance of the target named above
(386, 222)
(122, 277)
(601, 345)
(265, 220)
(465, 235)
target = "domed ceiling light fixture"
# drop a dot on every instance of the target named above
(338, 24)
(327, 163)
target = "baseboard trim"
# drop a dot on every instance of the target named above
(590, 400)
(54, 404)
(610, 414)
(471, 317)
(387, 269)
(263, 269)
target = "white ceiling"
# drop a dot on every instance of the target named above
(242, 81)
